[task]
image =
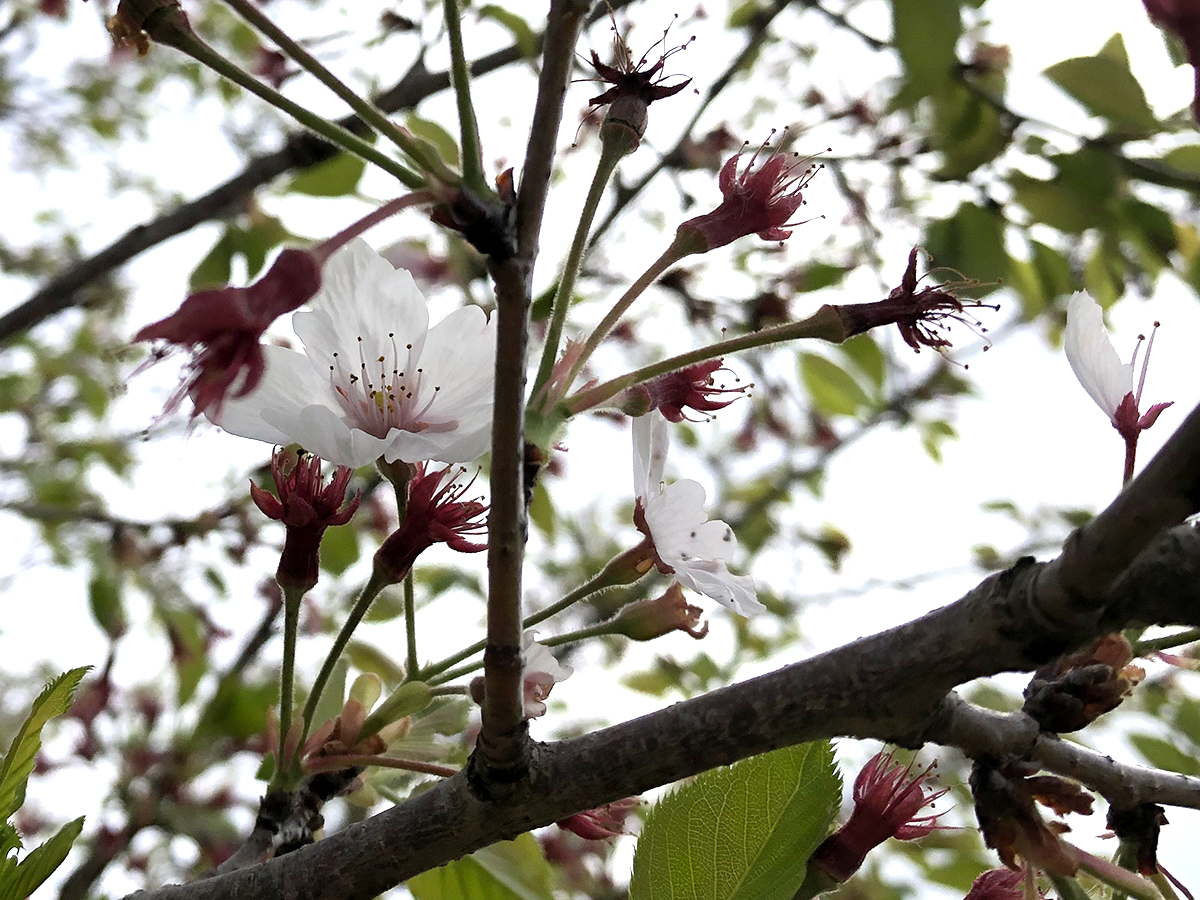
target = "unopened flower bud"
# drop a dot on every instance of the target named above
(650, 619)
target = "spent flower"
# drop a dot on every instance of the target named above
(434, 514)
(375, 380)
(607, 821)
(646, 620)
(684, 542)
(540, 672)
(306, 506)
(694, 387)
(887, 798)
(758, 200)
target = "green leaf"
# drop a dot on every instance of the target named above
(926, 32)
(818, 276)
(105, 601)
(339, 549)
(541, 511)
(510, 870)
(968, 131)
(335, 177)
(971, 242)
(833, 390)
(41, 862)
(740, 833)
(866, 354)
(1104, 86)
(369, 658)
(1165, 755)
(437, 137)
(54, 700)
(215, 269)
(1185, 159)
(522, 34)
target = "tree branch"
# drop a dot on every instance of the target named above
(891, 686)
(502, 751)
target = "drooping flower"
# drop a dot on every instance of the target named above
(607, 821)
(693, 388)
(375, 380)
(1107, 380)
(435, 514)
(887, 797)
(646, 620)
(223, 328)
(306, 506)
(540, 672)
(757, 201)
(671, 516)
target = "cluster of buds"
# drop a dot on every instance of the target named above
(1074, 690)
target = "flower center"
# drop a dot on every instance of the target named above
(382, 394)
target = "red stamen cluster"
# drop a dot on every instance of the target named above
(691, 388)
(307, 507)
(435, 514)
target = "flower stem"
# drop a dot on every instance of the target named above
(366, 110)
(1167, 641)
(410, 622)
(824, 324)
(669, 257)
(1130, 457)
(460, 80)
(376, 583)
(334, 763)
(347, 140)
(327, 247)
(291, 620)
(566, 282)
(570, 637)
(599, 582)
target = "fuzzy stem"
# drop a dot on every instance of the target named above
(824, 324)
(669, 257)
(598, 630)
(460, 80)
(291, 619)
(347, 140)
(1167, 641)
(354, 760)
(376, 583)
(367, 111)
(410, 622)
(566, 282)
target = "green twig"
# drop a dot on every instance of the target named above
(410, 622)
(460, 81)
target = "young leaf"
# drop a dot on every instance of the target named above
(512, 870)
(19, 883)
(54, 700)
(740, 833)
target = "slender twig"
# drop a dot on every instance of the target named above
(460, 81)
(410, 624)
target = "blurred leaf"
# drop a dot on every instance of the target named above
(436, 136)
(541, 510)
(967, 130)
(336, 177)
(339, 548)
(817, 276)
(1104, 85)
(1185, 159)
(1165, 755)
(744, 832)
(510, 870)
(933, 434)
(54, 700)
(238, 710)
(832, 389)
(867, 356)
(368, 658)
(971, 242)
(926, 32)
(216, 269)
(522, 34)
(106, 602)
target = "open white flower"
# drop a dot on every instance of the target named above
(1107, 380)
(375, 380)
(540, 672)
(672, 516)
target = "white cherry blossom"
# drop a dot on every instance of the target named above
(540, 672)
(374, 379)
(672, 516)
(1092, 355)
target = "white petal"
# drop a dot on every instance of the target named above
(325, 432)
(1092, 357)
(714, 580)
(650, 441)
(675, 515)
(450, 446)
(288, 385)
(459, 359)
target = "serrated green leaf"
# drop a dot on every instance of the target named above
(744, 832)
(1105, 86)
(833, 390)
(54, 700)
(510, 870)
(335, 177)
(19, 883)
